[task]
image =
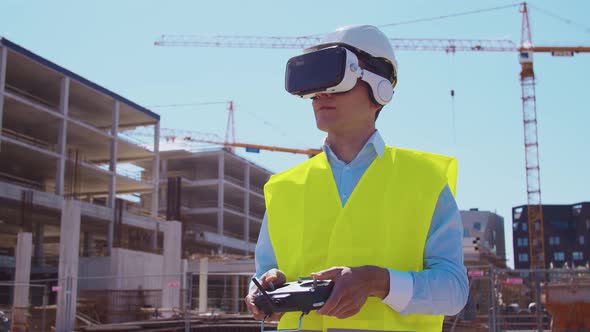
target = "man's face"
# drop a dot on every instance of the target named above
(340, 113)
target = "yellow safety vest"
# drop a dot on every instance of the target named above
(384, 223)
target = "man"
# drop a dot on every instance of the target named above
(381, 222)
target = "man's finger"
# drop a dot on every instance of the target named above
(330, 307)
(332, 273)
(268, 283)
(265, 280)
(332, 302)
(276, 274)
(271, 273)
(252, 307)
(281, 277)
(274, 277)
(346, 307)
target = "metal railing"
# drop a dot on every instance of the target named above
(140, 298)
(34, 317)
(30, 140)
(500, 299)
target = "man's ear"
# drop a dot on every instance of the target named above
(374, 107)
(377, 113)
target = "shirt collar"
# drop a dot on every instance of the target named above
(378, 143)
(375, 141)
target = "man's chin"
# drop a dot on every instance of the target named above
(322, 127)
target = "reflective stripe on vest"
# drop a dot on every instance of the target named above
(385, 223)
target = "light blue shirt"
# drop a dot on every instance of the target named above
(442, 287)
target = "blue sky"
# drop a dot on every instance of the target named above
(111, 44)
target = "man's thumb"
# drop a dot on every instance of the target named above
(326, 274)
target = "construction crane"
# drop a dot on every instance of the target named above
(526, 49)
(175, 135)
(230, 131)
(230, 128)
(171, 135)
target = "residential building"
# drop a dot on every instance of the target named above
(483, 238)
(566, 232)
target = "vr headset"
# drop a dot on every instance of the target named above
(332, 70)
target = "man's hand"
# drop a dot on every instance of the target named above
(277, 278)
(352, 287)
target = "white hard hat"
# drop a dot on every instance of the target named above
(365, 38)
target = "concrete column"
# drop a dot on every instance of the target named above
(3, 56)
(187, 284)
(156, 183)
(113, 176)
(172, 268)
(117, 263)
(39, 230)
(203, 272)
(247, 205)
(164, 168)
(235, 293)
(62, 136)
(156, 171)
(113, 155)
(69, 244)
(220, 194)
(163, 199)
(22, 277)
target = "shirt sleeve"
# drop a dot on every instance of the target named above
(264, 254)
(442, 288)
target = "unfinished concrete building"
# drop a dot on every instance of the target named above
(65, 183)
(218, 197)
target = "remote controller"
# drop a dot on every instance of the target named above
(303, 295)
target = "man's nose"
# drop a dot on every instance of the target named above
(323, 95)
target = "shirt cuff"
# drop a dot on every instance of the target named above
(401, 288)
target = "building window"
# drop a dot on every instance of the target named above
(522, 242)
(554, 240)
(577, 209)
(558, 224)
(465, 232)
(523, 257)
(477, 226)
(558, 256)
(525, 227)
(581, 239)
(578, 255)
(517, 213)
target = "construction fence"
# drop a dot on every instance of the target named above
(499, 300)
